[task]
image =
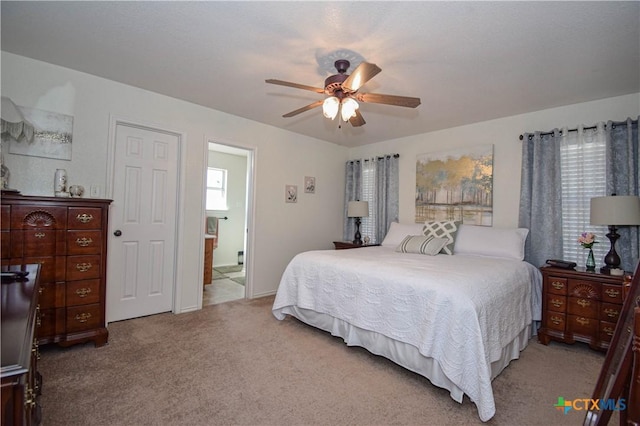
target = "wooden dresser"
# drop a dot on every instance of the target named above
(21, 382)
(579, 306)
(68, 238)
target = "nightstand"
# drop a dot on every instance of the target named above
(579, 306)
(342, 245)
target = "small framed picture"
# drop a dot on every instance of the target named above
(309, 185)
(291, 193)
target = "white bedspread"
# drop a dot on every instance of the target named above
(459, 310)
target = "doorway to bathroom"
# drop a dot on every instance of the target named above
(228, 185)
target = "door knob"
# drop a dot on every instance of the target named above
(117, 232)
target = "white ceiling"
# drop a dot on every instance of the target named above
(467, 61)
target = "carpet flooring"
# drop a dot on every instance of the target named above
(235, 364)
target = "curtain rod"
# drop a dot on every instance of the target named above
(379, 158)
(614, 124)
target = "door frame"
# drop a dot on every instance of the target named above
(252, 153)
(114, 122)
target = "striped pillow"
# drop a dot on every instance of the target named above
(421, 245)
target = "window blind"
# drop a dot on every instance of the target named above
(367, 227)
(583, 167)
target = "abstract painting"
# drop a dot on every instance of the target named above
(455, 185)
(52, 136)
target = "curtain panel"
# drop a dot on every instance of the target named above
(383, 198)
(622, 179)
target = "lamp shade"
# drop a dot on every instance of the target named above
(358, 209)
(615, 210)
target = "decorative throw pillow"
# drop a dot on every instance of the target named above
(443, 229)
(506, 243)
(421, 245)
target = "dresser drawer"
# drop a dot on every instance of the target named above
(41, 242)
(52, 268)
(555, 321)
(556, 303)
(557, 285)
(583, 307)
(583, 326)
(26, 217)
(85, 317)
(51, 322)
(83, 267)
(52, 295)
(612, 293)
(84, 218)
(83, 292)
(584, 289)
(5, 218)
(5, 241)
(84, 242)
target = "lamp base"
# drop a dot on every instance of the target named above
(611, 260)
(357, 238)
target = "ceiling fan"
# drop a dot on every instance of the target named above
(342, 91)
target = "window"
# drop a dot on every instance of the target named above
(216, 189)
(582, 162)
(368, 224)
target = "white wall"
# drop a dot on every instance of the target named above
(280, 230)
(231, 231)
(504, 135)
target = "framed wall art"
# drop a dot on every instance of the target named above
(455, 185)
(52, 136)
(291, 193)
(309, 185)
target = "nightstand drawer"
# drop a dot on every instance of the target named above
(610, 312)
(583, 307)
(556, 303)
(85, 317)
(557, 285)
(555, 321)
(606, 330)
(583, 326)
(584, 289)
(612, 293)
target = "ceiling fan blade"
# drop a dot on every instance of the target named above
(363, 73)
(295, 85)
(377, 98)
(304, 108)
(357, 120)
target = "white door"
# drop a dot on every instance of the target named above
(142, 221)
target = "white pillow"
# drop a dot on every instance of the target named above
(492, 242)
(397, 232)
(422, 245)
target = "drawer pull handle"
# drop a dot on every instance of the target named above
(84, 242)
(29, 399)
(83, 317)
(39, 235)
(83, 267)
(557, 302)
(84, 218)
(38, 316)
(83, 292)
(556, 320)
(557, 285)
(584, 303)
(611, 313)
(612, 292)
(609, 331)
(582, 321)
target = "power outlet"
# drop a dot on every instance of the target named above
(95, 191)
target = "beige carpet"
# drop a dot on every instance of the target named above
(235, 363)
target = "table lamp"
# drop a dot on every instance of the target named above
(613, 211)
(358, 209)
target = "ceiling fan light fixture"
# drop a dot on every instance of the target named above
(330, 107)
(349, 107)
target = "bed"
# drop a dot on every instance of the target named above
(456, 319)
